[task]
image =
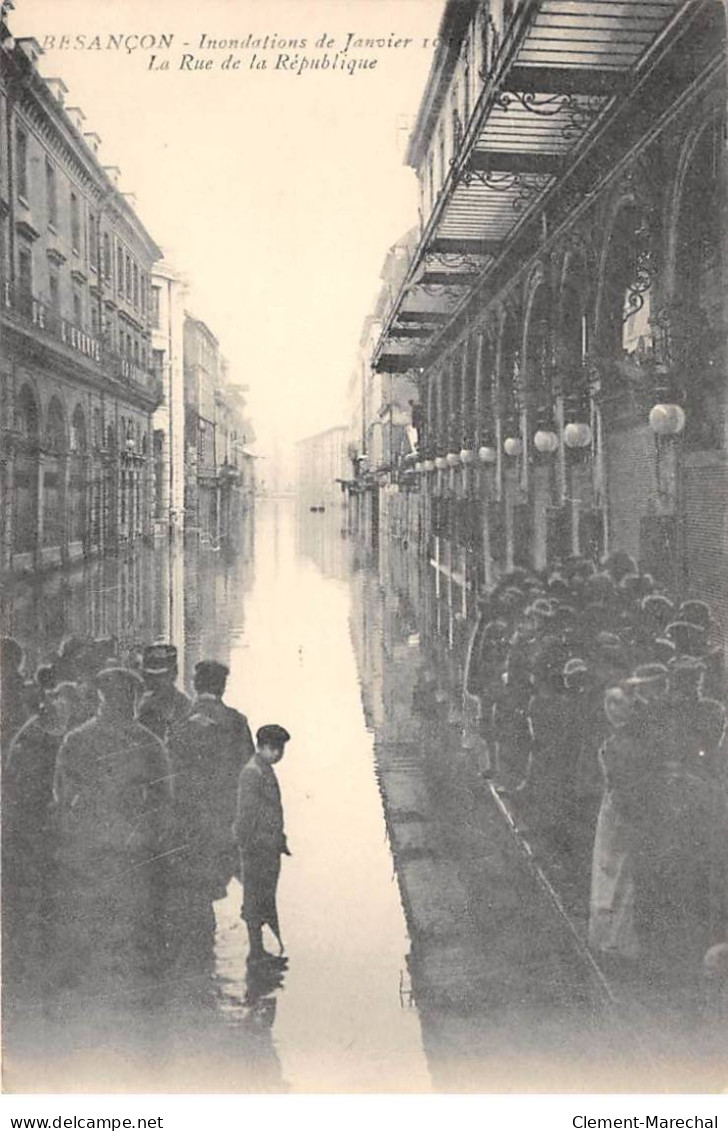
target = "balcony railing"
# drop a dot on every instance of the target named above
(27, 309)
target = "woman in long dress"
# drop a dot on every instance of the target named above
(612, 930)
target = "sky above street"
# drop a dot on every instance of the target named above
(276, 193)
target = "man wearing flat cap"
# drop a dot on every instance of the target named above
(208, 748)
(260, 835)
(113, 795)
(163, 705)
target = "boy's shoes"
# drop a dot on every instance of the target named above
(267, 959)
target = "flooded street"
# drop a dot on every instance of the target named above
(423, 952)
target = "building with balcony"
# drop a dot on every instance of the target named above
(78, 388)
(219, 468)
(568, 290)
(167, 317)
(383, 408)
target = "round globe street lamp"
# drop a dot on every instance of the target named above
(428, 466)
(577, 435)
(441, 463)
(545, 442)
(487, 454)
(467, 457)
(453, 459)
(512, 446)
(667, 419)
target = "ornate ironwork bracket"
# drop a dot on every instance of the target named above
(578, 111)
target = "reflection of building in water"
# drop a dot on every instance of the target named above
(188, 597)
(321, 538)
(321, 467)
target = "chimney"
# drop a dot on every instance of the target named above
(130, 198)
(58, 89)
(77, 116)
(31, 48)
(93, 141)
(113, 172)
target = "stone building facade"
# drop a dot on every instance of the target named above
(219, 470)
(77, 382)
(569, 291)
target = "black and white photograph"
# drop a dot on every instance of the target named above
(363, 547)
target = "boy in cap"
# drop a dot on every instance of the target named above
(261, 839)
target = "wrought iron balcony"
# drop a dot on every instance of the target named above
(24, 309)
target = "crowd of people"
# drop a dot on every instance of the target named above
(601, 705)
(127, 809)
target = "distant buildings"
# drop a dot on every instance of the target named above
(167, 318)
(322, 467)
(117, 418)
(219, 471)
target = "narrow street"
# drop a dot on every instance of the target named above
(424, 953)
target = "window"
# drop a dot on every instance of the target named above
(128, 277)
(144, 294)
(55, 291)
(95, 320)
(135, 285)
(93, 243)
(77, 309)
(21, 160)
(25, 272)
(107, 256)
(75, 224)
(120, 269)
(156, 295)
(51, 194)
(443, 169)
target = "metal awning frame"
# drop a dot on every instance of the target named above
(466, 166)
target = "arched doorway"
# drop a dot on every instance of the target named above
(77, 484)
(546, 538)
(54, 471)
(508, 523)
(640, 519)
(580, 426)
(25, 472)
(110, 491)
(698, 324)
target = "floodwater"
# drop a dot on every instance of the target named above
(422, 953)
(343, 1019)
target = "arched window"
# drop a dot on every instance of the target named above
(486, 390)
(509, 376)
(539, 361)
(26, 414)
(78, 431)
(55, 431)
(697, 322)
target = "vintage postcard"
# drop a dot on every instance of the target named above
(363, 546)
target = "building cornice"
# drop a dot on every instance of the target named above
(30, 91)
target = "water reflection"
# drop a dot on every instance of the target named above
(421, 947)
(336, 1019)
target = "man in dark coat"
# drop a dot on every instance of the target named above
(208, 748)
(163, 705)
(113, 795)
(28, 834)
(260, 835)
